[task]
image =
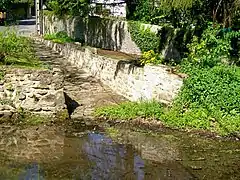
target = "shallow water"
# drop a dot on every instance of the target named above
(50, 152)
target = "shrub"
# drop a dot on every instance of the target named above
(209, 100)
(145, 39)
(66, 7)
(214, 47)
(214, 88)
(150, 57)
(16, 50)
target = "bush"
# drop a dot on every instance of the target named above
(66, 7)
(145, 39)
(150, 57)
(214, 47)
(16, 50)
(209, 100)
(214, 88)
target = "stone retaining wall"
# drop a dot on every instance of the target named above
(96, 32)
(122, 76)
(36, 91)
(113, 34)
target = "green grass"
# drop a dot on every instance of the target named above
(17, 51)
(60, 37)
(131, 110)
(191, 119)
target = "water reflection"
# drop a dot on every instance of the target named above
(95, 156)
(48, 153)
(112, 161)
(32, 172)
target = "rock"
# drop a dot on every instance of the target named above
(2, 95)
(55, 70)
(42, 92)
(1, 89)
(60, 99)
(31, 95)
(41, 86)
(37, 109)
(78, 43)
(5, 114)
(22, 97)
(7, 108)
(52, 109)
(196, 167)
(47, 101)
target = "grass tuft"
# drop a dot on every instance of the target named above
(60, 37)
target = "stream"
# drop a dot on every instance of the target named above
(91, 152)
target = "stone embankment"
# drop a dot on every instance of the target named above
(35, 91)
(83, 92)
(122, 75)
(81, 80)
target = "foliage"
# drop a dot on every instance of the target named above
(183, 13)
(209, 100)
(202, 119)
(29, 2)
(5, 4)
(212, 48)
(209, 87)
(150, 57)
(59, 37)
(69, 7)
(143, 37)
(16, 50)
(163, 12)
(1, 74)
(131, 110)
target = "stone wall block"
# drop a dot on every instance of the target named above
(32, 90)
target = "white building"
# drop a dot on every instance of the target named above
(115, 8)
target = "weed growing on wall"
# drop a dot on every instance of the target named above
(150, 57)
(59, 37)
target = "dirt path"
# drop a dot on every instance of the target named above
(82, 91)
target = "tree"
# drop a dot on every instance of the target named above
(69, 7)
(179, 12)
(5, 4)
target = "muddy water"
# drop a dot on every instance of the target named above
(90, 152)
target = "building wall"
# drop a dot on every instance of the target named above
(117, 8)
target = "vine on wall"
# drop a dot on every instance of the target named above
(145, 39)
